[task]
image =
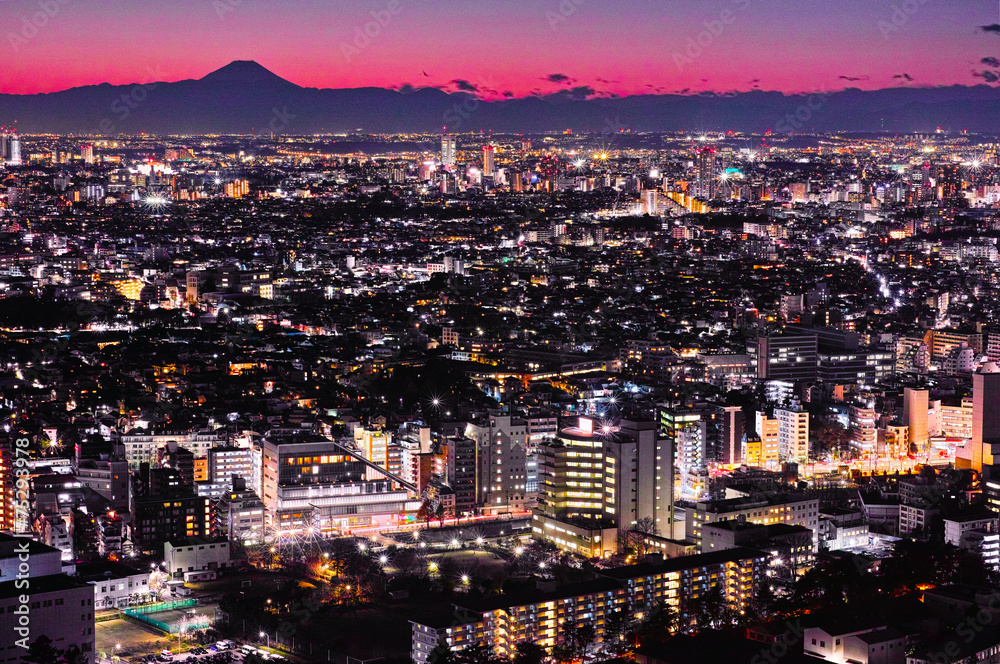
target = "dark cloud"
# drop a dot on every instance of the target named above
(578, 93)
(905, 77)
(987, 76)
(464, 85)
(853, 78)
(992, 27)
(508, 94)
(561, 79)
(991, 62)
(607, 81)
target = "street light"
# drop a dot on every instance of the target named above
(267, 636)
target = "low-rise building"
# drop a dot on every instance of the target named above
(196, 554)
(115, 585)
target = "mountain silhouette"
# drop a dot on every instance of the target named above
(244, 96)
(245, 71)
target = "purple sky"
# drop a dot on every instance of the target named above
(621, 47)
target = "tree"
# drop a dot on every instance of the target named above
(478, 654)
(41, 651)
(627, 542)
(441, 654)
(659, 624)
(829, 436)
(426, 512)
(616, 631)
(643, 529)
(529, 652)
(576, 640)
(74, 655)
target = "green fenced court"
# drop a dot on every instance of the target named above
(170, 617)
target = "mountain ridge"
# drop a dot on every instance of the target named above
(243, 96)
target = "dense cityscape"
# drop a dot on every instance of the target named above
(486, 397)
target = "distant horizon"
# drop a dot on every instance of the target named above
(487, 96)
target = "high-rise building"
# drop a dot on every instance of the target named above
(10, 149)
(87, 153)
(597, 480)
(915, 411)
(768, 430)
(705, 187)
(489, 163)
(374, 445)
(732, 427)
(985, 443)
(503, 456)
(786, 357)
(793, 433)
(448, 149)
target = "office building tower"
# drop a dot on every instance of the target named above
(448, 148)
(489, 160)
(915, 411)
(793, 433)
(732, 429)
(374, 445)
(768, 430)
(10, 149)
(705, 186)
(503, 456)
(786, 357)
(87, 153)
(596, 480)
(979, 453)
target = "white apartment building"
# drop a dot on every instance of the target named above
(793, 434)
(141, 446)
